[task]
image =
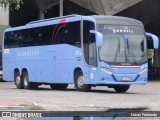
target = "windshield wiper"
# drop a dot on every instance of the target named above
(118, 50)
(129, 52)
(127, 45)
(119, 46)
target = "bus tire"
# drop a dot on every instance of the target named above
(58, 86)
(26, 83)
(18, 80)
(79, 82)
(121, 88)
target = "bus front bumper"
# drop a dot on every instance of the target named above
(110, 81)
(121, 83)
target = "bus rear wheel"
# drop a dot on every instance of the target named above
(79, 82)
(18, 80)
(26, 83)
(121, 88)
(58, 86)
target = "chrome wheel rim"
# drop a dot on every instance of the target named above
(80, 82)
(18, 79)
(25, 81)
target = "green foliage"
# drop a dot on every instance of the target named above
(15, 3)
(150, 53)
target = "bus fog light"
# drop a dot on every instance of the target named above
(102, 78)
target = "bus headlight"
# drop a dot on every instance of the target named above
(106, 70)
(143, 70)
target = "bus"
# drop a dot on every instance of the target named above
(86, 51)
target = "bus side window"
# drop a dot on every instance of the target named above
(45, 35)
(92, 50)
(6, 40)
(24, 38)
(60, 37)
(12, 39)
(87, 26)
(72, 34)
(69, 34)
(40, 36)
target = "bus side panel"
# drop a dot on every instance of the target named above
(9, 64)
(44, 65)
(60, 63)
(7, 71)
(68, 58)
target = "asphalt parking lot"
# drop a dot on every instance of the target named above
(100, 98)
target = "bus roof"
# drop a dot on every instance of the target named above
(99, 18)
(117, 20)
(45, 22)
(56, 18)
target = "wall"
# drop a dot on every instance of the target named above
(4, 20)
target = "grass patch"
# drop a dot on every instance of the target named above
(31, 107)
(37, 108)
(25, 105)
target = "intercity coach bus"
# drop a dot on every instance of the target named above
(82, 50)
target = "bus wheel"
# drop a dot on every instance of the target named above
(79, 80)
(26, 83)
(58, 86)
(18, 80)
(121, 88)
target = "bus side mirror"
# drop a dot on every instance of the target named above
(154, 38)
(99, 37)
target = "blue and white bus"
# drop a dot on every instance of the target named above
(82, 50)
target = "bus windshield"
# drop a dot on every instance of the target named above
(123, 45)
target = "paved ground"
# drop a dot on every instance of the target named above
(100, 98)
(139, 97)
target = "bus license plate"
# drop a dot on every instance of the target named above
(126, 78)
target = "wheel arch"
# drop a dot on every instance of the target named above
(78, 85)
(76, 70)
(24, 70)
(16, 70)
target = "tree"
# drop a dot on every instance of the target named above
(15, 3)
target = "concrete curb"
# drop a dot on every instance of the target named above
(16, 107)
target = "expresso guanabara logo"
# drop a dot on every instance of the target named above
(24, 53)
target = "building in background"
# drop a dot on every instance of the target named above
(4, 23)
(39, 9)
(146, 11)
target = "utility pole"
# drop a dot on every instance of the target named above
(41, 15)
(61, 7)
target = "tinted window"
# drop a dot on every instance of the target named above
(68, 33)
(28, 37)
(92, 50)
(40, 36)
(87, 26)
